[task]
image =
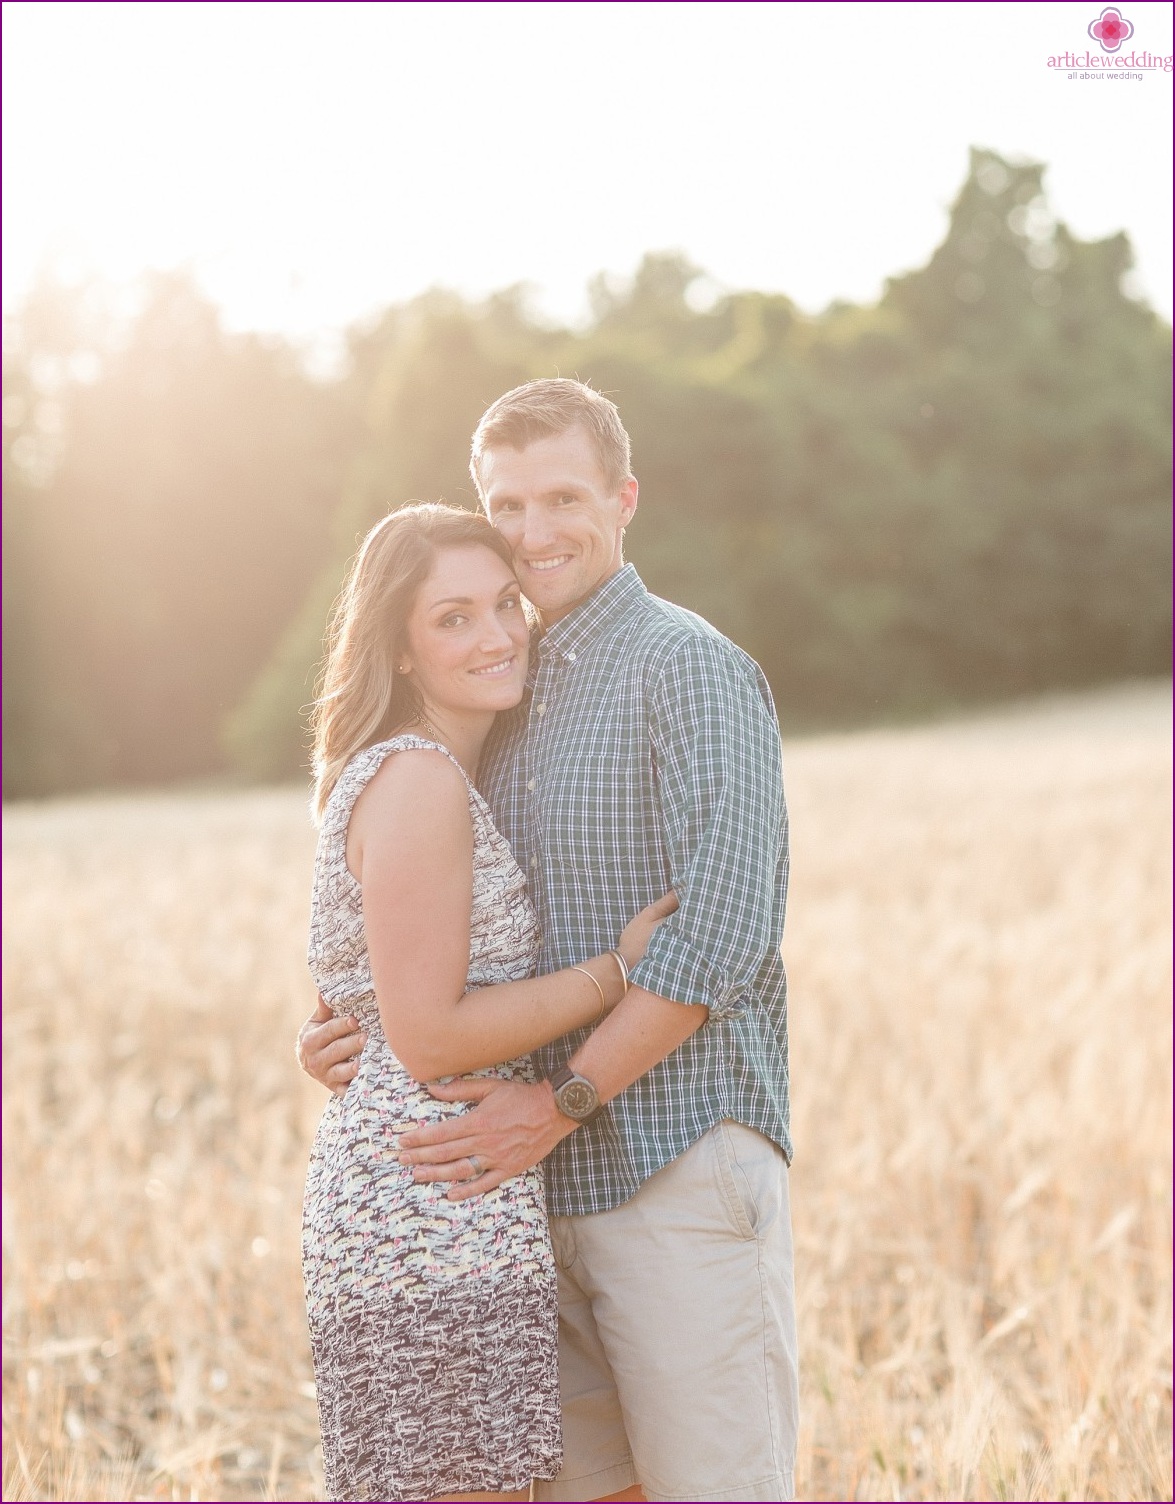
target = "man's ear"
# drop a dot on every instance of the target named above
(628, 493)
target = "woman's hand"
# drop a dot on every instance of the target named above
(635, 937)
(328, 1048)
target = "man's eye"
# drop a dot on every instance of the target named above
(566, 499)
(506, 508)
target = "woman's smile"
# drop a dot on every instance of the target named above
(503, 666)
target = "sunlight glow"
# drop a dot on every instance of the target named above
(314, 162)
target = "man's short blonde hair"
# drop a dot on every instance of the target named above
(541, 409)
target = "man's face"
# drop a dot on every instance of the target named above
(551, 503)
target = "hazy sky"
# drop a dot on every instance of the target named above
(312, 162)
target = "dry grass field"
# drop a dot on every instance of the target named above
(980, 958)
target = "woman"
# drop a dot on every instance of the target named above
(433, 1322)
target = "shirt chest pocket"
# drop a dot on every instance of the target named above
(589, 809)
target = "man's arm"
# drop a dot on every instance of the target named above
(717, 746)
(517, 1125)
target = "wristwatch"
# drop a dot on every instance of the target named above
(575, 1096)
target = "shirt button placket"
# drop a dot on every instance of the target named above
(535, 740)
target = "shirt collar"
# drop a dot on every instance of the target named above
(602, 609)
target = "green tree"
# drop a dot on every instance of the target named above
(958, 492)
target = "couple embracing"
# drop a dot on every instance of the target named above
(552, 826)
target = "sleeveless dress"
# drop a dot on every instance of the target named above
(433, 1323)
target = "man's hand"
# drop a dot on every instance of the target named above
(328, 1048)
(515, 1126)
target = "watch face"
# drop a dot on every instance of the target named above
(577, 1098)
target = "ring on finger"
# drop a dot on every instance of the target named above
(478, 1167)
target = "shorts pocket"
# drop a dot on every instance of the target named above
(737, 1195)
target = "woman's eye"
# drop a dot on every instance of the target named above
(510, 603)
(454, 619)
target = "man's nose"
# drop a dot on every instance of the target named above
(536, 529)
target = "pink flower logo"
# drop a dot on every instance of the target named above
(1111, 29)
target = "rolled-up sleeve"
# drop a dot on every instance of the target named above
(716, 752)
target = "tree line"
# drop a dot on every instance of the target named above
(957, 493)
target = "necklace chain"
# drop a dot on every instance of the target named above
(423, 721)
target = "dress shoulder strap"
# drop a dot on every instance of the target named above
(366, 764)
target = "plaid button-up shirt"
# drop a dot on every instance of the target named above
(646, 756)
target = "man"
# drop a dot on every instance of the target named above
(645, 757)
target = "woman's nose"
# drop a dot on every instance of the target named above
(495, 633)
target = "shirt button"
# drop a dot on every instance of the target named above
(530, 783)
(571, 657)
(540, 709)
(534, 862)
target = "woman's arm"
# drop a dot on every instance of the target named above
(410, 846)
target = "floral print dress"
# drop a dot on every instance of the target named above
(433, 1323)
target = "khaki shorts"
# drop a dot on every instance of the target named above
(677, 1332)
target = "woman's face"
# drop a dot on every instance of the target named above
(467, 635)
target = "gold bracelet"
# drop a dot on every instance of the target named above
(599, 989)
(623, 964)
